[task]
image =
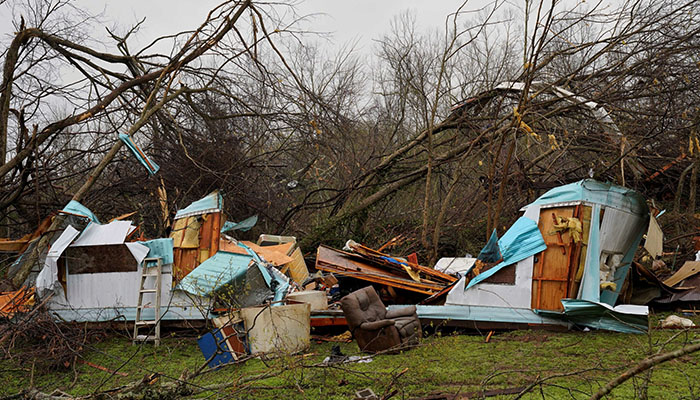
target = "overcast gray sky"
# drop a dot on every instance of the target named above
(355, 20)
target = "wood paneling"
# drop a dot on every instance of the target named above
(209, 233)
(555, 267)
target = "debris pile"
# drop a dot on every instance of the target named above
(365, 264)
(573, 259)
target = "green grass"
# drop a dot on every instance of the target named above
(461, 364)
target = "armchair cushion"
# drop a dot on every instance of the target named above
(373, 326)
(401, 312)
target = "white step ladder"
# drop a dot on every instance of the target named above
(152, 267)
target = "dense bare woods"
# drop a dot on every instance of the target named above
(423, 139)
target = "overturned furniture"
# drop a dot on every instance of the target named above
(563, 262)
(377, 329)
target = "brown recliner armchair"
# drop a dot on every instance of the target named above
(377, 329)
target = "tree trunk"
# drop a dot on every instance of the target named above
(693, 185)
(679, 189)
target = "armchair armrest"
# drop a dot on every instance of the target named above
(372, 326)
(400, 312)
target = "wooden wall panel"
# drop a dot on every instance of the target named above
(552, 271)
(187, 259)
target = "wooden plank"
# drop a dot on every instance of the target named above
(269, 254)
(329, 258)
(586, 212)
(364, 250)
(384, 280)
(215, 233)
(688, 269)
(205, 232)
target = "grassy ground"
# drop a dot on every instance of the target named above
(574, 364)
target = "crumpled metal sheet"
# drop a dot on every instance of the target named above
(521, 241)
(150, 165)
(623, 318)
(213, 202)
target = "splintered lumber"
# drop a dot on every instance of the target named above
(351, 265)
(384, 259)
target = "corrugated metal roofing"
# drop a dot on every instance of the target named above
(522, 240)
(623, 318)
(162, 248)
(591, 191)
(217, 271)
(213, 202)
(242, 226)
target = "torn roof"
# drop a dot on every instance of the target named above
(521, 241)
(213, 202)
(225, 268)
(592, 191)
(160, 248)
(242, 226)
(101, 235)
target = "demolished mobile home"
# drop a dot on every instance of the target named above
(563, 262)
(98, 272)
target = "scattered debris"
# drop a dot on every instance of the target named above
(101, 368)
(365, 394)
(337, 357)
(676, 322)
(372, 266)
(19, 301)
(345, 337)
(567, 261)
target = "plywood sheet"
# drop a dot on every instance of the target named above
(178, 232)
(190, 238)
(654, 242)
(185, 262)
(297, 267)
(269, 254)
(688, 269)
(284, 248)
(185, 233)
(231, 247)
